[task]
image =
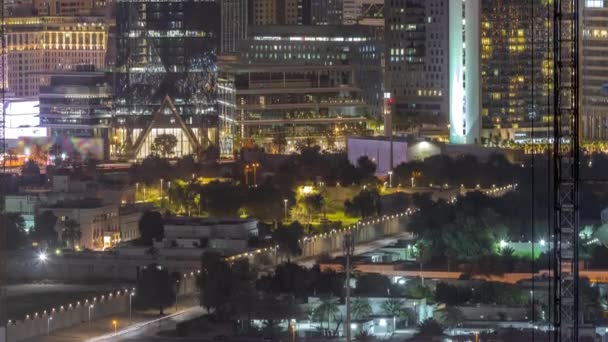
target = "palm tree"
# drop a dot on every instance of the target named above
(393, 307)
(71, 232)
(360, 308)
(326, 310)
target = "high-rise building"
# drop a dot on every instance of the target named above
(165, 74)
(77, 104)
(280, 12)
(68, 7)
(301, 82)
(464, 71)
(234, 24)
(594, 119)
(36, 46)
(326, 12)
(416, 61)
(516, 68)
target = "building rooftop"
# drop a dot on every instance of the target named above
(200, 221)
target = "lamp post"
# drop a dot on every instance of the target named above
(348, 249)
(90, 307)
(144, 193)
(412, 179)
(390, 179)
(115, 325)
(255, 167)
(247, 169)
(161, 191)
(48, 325)
(130, 299)
(136, 191)
(285, 206)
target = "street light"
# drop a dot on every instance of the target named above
(48, 325)
(161, 191)
(144, 193)
(136, 191)
(247, 169)
(255, 167)
(130, 315)
(412, 179)
(285, 205)
(42, 257)
(115, 325)
(90, 307)
(390, 179)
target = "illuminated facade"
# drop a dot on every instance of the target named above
(77, 104)
(166, 68)
(68, 7)
(464, 71)
(235, 20)
(595, 74)
(37, 46)
(416, 61)
(516, 68)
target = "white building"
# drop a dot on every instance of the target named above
(378, 150)
(224, 234)
(464, 71)
(25, 205)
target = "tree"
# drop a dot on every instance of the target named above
(451, 316)
(393, 307)
(155, 288)
(366, 167)
(313, 204)
(288, 238)
(151, 227)
(215, 282)
(44, 228)
(222, 199)
(164, 145)
(70, 233)
(327, 311)
(16, 237)
(366, 203)
(429, 330)
(360, 308)
(279, 141)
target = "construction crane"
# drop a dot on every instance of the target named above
(565, 169)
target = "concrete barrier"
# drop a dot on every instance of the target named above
(67, 316)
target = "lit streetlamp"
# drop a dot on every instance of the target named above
(48, 325)
(412, 179)
(130, 299)
(390, 179)
(115, 325)
(255, 167)
(161, 191)
(144, 193)
(90, 307)
(247, 170)
(136, 191)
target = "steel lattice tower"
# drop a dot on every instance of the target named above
(565, 169)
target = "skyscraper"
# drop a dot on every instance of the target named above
(516, 68)
(594, 120)
(464, 71)
(416, 61)
(165, 68)
(234, 24)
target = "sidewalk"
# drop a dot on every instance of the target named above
(104, 326)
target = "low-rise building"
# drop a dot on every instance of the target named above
(215, 233)
(97, 222)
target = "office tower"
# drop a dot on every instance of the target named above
(416, 62)
(326, 12)
(76, 106)
(68, 7)
(36, 46)
(165, 75)
(594, 113)
(516, 69)
(280, 12)
(464, 71)
(234, 24)
(372, 13)
(299, 83)
(351, 10)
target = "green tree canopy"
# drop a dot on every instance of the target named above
(164, 145)
(155, 288)
(151, 227)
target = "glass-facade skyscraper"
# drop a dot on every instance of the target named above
(165, 67)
